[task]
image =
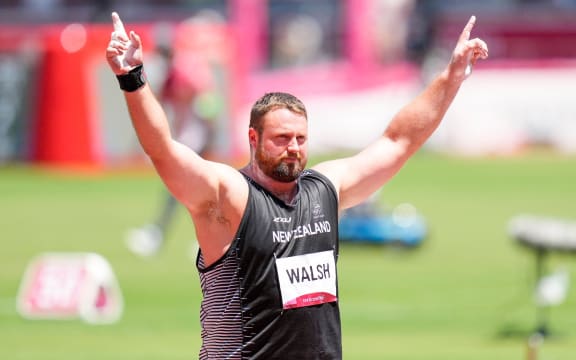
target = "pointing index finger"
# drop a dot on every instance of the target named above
(468, 28)
(117, 23)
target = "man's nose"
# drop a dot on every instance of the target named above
(293, 145)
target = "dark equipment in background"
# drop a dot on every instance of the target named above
(544, 235)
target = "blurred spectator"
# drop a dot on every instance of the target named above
(421, 32)
(392, 28)
(297, 41)
(303, 32)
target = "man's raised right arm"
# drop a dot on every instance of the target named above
(191, 179)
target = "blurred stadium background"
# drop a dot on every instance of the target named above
(73, 179)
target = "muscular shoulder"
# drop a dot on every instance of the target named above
(226, 196)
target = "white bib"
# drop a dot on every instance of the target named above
(307, 280)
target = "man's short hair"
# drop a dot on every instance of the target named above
(272, 101)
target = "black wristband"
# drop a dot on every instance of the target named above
(133, 80)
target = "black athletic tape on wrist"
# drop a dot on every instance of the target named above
(133, 80)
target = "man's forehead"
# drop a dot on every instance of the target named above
(283, 118)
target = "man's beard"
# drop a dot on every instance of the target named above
(277, 169)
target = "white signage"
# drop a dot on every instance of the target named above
(307, 280)
(70, 285)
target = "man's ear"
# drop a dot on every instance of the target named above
(252, 137)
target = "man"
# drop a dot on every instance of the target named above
(268, 232)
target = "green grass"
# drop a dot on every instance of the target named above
(466, 294)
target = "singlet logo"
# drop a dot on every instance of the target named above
(317, 211)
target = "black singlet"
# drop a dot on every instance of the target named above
(243, 314)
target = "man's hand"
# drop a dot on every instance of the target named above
(467, 52)
(123, 53)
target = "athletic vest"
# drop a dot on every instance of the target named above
(273, 295)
